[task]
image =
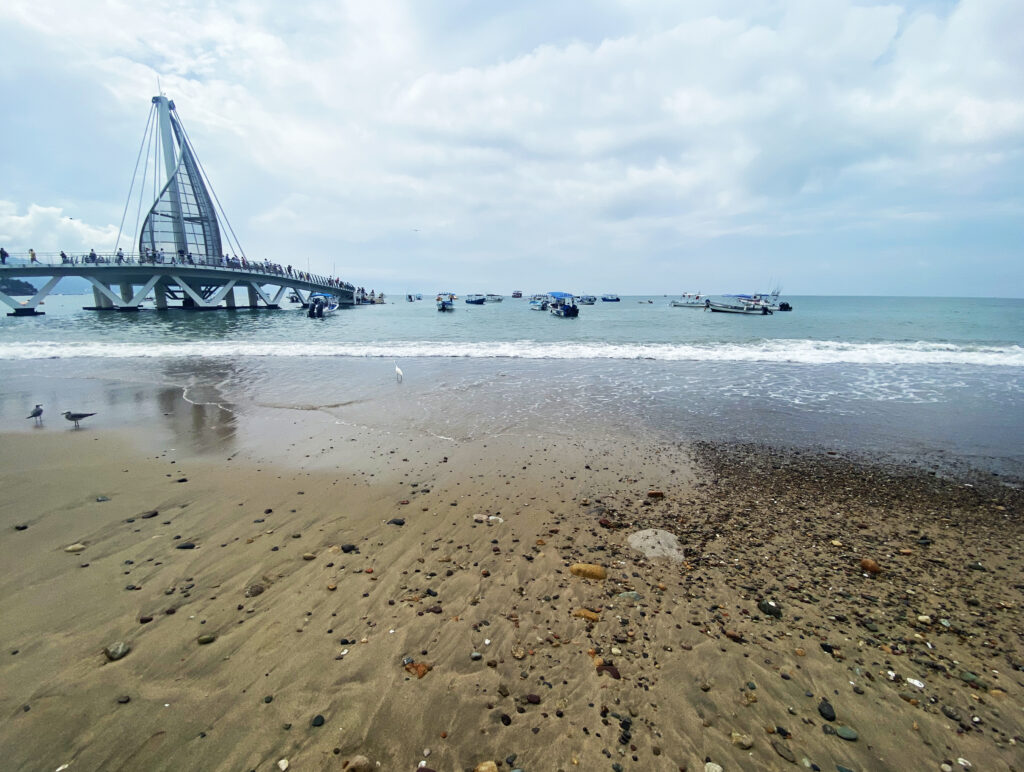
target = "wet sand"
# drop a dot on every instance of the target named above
(413, 601)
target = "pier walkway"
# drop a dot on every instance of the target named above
(123, 282)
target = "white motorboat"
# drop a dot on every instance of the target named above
(492, 298)
(751, 309)
(445, 301)
(539, 303)
(689, 300)
(586, 300)
(321, 305)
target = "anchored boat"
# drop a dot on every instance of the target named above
(563, 304)
(321, 305)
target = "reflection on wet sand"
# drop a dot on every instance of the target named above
(199, 427)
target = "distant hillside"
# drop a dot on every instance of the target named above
(12, 286)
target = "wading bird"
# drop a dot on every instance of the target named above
(76, 417)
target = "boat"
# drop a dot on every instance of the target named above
(321, 304)
(586, 300)
(689, 300)
(492, 298)
(517, 294)
(610, 298)
(410, 298)
(563, 304)
(445, 301)
(539, 303)
(752, 309)
(475, 300)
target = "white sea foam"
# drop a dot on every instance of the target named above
(792, 351)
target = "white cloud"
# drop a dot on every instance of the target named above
(631, 129)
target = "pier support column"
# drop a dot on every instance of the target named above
(229, 299)
(254, 299)
(97, 298)
(160, 297)
(126, 292)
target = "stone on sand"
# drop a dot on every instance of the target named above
(656, 543)
(588, 570)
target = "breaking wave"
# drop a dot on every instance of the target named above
(777, 351)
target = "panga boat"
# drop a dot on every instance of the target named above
(321, 305)
(752, 309)
(445, 301)
(609, 298)
(539, 303)
(689, 300)
(475, 300)
(586, 300)
(517, 294)
(492, 298)
(563, 304)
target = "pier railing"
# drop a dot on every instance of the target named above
(121, 281)
(114, 259)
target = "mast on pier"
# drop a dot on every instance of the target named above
(182, 219)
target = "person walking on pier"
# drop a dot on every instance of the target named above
(32, 256)
(3, 256)
(120, 256)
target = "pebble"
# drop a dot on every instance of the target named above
(870, 566)
(826, 710)
(588, 570)
(396, 521)
(711, 766)
(185, 545)
(476, 655)
(784, 750)
(206, 638)
(318, 720)
(76, 547)
(770, 607)
(358, 764)
(847, 733)
(744, 741)
(117, 650)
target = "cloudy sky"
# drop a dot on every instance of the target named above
(830, 146)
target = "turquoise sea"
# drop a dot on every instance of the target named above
(938, 382)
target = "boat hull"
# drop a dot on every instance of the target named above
(723, 308)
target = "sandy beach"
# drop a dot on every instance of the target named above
(415, 604)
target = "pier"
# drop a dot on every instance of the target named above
(124, 282)
(180, 258)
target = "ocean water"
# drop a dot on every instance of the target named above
(938, 382)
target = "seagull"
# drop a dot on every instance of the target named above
(37, 413)
(76, 417)
(398, 373)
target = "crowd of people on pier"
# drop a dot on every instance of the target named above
(159, 257)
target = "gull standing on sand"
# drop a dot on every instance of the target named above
(37, 413)
(76, 417)
(398, 373)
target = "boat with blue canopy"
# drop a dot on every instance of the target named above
(563, 304)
